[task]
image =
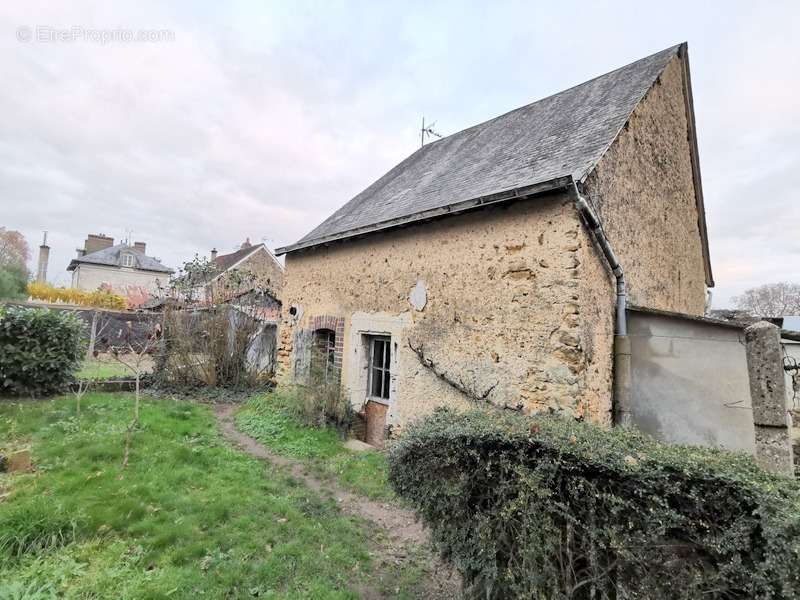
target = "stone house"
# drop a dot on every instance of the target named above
(495, 265)
(240, 271)
(122, 268)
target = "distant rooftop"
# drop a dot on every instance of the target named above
(111, 257)
(225, 261)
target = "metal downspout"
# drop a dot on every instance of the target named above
(622, 344)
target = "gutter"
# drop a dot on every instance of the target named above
(511, 195)
(622, 344)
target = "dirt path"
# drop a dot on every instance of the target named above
(400, 535)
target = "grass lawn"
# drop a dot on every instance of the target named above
(271, 421)
(95, 369)
(190, 517)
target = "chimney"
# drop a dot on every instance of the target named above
(44, 258)
(246, 244)
(95, 242)
(139, 246)
(213, 254)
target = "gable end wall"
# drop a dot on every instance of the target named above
(263, 267)
(643, 189)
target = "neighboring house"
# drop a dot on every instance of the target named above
(468, 273)
(251, 266)
(122, 268)
(262, 305)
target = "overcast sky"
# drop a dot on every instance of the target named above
(260, 119)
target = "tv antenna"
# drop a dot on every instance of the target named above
(427, 131)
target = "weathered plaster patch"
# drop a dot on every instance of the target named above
(419, 295)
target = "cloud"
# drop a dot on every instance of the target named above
(260, 120)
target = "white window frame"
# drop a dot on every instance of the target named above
(385, 369)
(127, 260)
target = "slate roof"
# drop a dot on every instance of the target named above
(110, 257)
(226, 261)
(541, 146)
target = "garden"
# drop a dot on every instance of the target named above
(193, 488)
(140, 495)
(189, 515)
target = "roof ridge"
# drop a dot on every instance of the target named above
(102, 256)
(674, 48)
(250, 250)
(561, 135)
(675, 51)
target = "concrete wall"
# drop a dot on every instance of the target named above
(690, 382)
(121, 279)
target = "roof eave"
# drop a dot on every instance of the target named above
(697, 318)
(256, 249)
(75, 263)
(436, 213)
(683, 53)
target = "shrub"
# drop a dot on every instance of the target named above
(99, 298)
(219, 346)
(40, 349)
(550, 508)
(12, 283)
(320, 402)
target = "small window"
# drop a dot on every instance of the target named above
(127, 260)
(380, 360)
(323, 356)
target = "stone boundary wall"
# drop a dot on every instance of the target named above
(118, 327)
(768, 395)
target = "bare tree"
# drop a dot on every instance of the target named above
(771, 300)
(14, 251)
(216, 332)
(99, 324)
(79, 392)
(135, 359)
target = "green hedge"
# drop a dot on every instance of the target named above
(13, 282)
(40, 349)
(552, 508)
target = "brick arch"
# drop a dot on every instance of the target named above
(335, 324)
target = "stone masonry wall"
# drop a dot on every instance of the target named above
(644, 192)
(520, 305)
(502, 319)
